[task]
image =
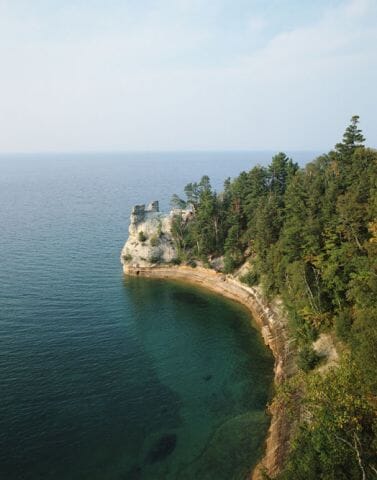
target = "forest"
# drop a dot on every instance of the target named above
(309, 236)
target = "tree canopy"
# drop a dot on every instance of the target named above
(310, 236)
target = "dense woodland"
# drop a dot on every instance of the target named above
(310, 237)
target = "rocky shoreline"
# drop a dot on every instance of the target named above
(269, 318)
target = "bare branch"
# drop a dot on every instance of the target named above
(356, 447)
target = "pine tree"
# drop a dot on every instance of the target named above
(352, 138)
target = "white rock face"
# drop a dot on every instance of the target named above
(325, 348)
(150, 241)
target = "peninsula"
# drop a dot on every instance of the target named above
(298, 247)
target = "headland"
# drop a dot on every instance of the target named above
(150, 252)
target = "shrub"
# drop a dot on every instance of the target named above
(176, 261)
(229, 264)
(251, 278)
(127, 257)
(159, 229)
(142, 237)
(204, 260)
(343, 324)
(307, 358)
(191, 263)
(154, 241)
(155, 258)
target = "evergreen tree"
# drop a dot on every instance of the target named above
(352, 138)
(311, 236)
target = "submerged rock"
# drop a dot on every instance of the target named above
(162, 448)
(231, 451)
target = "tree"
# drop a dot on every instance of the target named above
(352, 138)
(311, 235)
(177, 202)
(336, 439)
(281, 171)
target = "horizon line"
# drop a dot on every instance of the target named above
(122, 152)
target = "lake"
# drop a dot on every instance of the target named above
(104, 377)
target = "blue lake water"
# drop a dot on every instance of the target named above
(105, 377)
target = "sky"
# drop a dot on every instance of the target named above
(128, 75)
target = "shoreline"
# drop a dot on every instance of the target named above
(273, 327)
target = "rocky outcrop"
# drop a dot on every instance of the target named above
(149, 240)
(268, 316)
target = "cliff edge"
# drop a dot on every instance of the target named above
(150, 252)
(150, 241)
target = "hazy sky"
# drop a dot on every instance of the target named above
(185, 74)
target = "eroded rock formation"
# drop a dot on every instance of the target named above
(150, 241)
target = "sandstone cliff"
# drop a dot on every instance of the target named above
(150, 241)
(141, 256)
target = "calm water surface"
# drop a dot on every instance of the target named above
(105, 377)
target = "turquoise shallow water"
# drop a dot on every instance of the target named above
(103, 377)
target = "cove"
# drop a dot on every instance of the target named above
(106, 378)
(214, 376)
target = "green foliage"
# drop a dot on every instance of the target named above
(281, 170)
(343, 324)
(312, 234)
(364, 343)
(177, 202)
(155, 258)
(154, 241)
(307, 358)
(352, 138)
(142, 237)
(176, 261)
(159, 229)
(205, 233)
(336, 439)
(180, 232)
(127, 257)
(250, 278)
(229, 264)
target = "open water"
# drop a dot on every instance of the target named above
(104, 377)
